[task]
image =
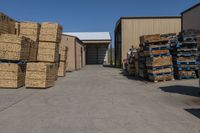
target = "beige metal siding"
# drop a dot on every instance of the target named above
(70, 43)
(191, 19)
(132, 29)
(78, 55)
(84, 55)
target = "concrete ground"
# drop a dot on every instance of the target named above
(101, 100)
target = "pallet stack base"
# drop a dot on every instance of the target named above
(40, 75)
(157, 58)
(12, 75)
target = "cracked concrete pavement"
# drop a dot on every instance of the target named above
(100, 99)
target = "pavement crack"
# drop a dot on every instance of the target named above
(18, 101)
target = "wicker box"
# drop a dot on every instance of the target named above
(48, 52)
(12, 75)
(30, 30)
(40, 75)
(50, 32)
(62, 69)
(14, 48)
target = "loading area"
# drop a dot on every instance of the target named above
(103, 101)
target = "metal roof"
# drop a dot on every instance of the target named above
(90, 36)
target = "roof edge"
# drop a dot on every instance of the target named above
(99, 40)
(73, 36)
(93, 39)
(145, 17)
(150, 17)
(196, 5)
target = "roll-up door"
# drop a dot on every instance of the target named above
(96, 54)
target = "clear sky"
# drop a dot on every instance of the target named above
(90, 15)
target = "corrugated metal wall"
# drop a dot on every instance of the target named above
(132, 29)
(191, 19)
(83, 56)
(75, 55)
(70, 43)
(78, 55)
(97, 53)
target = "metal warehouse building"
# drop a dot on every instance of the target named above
(97, 44)
(76, 52)
(191, 18)
(129, 29)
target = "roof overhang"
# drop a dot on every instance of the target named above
(92, 37)
(97, 41)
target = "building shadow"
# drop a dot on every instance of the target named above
(132, 77)
(195, 112)
(111, 66)
(184, 90)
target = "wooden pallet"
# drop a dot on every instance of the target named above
(150, 38)
(12, 75)
(162, 78)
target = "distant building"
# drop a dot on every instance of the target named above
(191, 18)
(76, 52)
(129, 29)
(97, 44)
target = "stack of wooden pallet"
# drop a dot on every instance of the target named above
(31, 30)
(198, 45)
(142, 64)
(49, 39)
(47, 57)
(40, 75)
(14, 53)
(157, 58)
(185, 57)
(62, 62)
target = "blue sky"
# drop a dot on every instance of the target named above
(90, 15)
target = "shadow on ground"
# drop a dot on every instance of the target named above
(184, 90)
(195, 112)
(111, 66)
(132, 77)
